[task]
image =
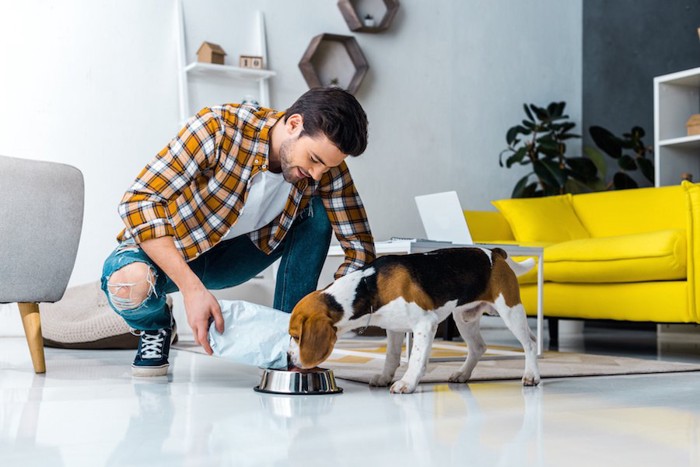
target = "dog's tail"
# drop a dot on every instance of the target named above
(519, 268)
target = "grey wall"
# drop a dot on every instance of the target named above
(626, 43)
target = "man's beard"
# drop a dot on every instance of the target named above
(289, 172)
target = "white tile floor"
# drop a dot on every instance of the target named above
(88, 411)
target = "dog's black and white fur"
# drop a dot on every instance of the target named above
(415, 293)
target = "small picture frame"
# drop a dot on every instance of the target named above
(250, 61)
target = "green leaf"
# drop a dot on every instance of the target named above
(556, 109)
(559, 117)
(598, 159)
(551, 191)
(531, 125)
(626, 143)
(528, 113)
(647, 168)
(549, 173)
(565, 127)
(500, 156)
(597, 185)
(517, 157)
(560, 109)
(519, 189)
(574, 186)
(551, 149)
(532, 191)
(582, 168)
(548, 143)
(638, 133)
(512, 134)
(606, 141)
(541, 113)
(627, 163)
(622, 181)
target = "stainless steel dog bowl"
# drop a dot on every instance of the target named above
(316, 381)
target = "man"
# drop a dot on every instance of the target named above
(238, 188)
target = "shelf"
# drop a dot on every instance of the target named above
(214, 81)
(688, 142)
(676, 99)
(681, 78)
(333, 57)
(353, 12)
(227, 70)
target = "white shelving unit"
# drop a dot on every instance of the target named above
(676, 98)
(233, 73)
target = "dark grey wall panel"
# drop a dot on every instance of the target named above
(626, 43)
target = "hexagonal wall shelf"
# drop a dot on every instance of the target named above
(334, 60)
(362, 15)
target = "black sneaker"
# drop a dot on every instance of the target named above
(153, 351)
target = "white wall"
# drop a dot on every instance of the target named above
(94, 84)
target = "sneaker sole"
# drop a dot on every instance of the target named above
(149, 371)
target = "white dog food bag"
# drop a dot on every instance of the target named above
(253, 335)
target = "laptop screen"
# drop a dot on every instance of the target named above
(443, 218)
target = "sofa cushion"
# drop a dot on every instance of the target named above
(626, 212)
(548, 219)
(649, 256)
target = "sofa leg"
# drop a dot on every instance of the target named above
(553, 324)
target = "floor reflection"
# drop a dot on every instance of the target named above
(151, 421)
(20, 421)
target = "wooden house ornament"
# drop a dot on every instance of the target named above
(209, 52)
(693, 125)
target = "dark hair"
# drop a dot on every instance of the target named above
(337, 114)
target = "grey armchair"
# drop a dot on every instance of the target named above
(41, 217)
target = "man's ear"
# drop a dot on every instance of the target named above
(294, 124)
(316, 340)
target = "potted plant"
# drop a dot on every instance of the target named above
(540, 142)
(629, 151)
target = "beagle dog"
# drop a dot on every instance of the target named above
(415, 292)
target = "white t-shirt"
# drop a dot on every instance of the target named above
(266, 199)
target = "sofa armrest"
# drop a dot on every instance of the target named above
(488, 227)
(693, 216)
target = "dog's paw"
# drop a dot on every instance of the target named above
(531, 380)
(380, 380)
(402, 387)
(458, 377)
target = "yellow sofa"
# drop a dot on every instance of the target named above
(631, 255)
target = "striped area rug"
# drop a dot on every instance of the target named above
(358, 360)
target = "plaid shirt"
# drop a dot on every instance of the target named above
(195, 188)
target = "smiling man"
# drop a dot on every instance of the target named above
(238, 188)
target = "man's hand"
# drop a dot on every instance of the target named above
(200, 305)
(201, 308)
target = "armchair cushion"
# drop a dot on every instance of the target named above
(549, 219)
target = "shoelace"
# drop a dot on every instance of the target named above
(152, 344)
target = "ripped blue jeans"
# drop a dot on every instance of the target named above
(232, 262)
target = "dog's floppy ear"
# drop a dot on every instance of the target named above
(317, 336)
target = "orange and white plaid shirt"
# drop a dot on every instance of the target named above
(194, 189)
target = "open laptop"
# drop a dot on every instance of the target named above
(443, 218)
